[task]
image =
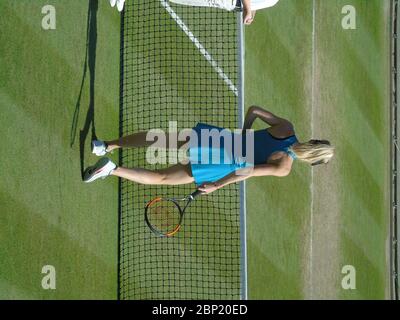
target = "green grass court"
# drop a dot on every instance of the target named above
(301, 230)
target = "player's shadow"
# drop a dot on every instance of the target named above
(90, 63)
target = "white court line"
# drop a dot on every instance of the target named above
(199, 46)
(312, 170)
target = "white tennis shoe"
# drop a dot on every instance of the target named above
(102, 169)
(113, 3)
(99, 148)
(120, 5)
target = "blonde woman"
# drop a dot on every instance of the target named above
(249, 6)
(274, 150)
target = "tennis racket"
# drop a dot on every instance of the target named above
(164, 216)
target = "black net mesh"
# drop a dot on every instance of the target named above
(178, 63)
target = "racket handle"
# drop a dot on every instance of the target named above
(195, 194)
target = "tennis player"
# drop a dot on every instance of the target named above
(120, 4)
(249, 6)
(275, 150)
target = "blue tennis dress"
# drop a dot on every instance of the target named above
(210, 162)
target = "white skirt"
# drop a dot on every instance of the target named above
(222, 4)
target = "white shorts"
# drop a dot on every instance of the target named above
(222, 4)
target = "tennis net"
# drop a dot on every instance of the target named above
(183, 64)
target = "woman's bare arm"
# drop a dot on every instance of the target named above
(249, 119)
(268, 117)
(277, 170)
(246, 4)
(248, 15)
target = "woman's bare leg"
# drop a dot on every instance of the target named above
(175, 175)
(136, 140)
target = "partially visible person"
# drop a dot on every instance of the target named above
(249, 6)
(120, 4)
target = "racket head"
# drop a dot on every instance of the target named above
(163, 216)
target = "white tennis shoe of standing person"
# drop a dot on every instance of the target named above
(249, 6)
(120, 4)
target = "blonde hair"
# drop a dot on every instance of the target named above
(314, 152)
